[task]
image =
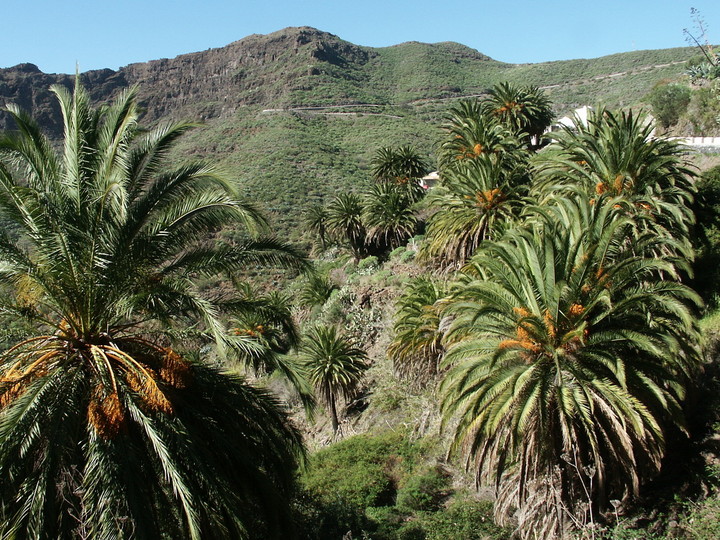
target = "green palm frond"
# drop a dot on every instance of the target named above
(416, 348)
(475, 203)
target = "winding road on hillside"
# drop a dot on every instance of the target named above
(326, 109)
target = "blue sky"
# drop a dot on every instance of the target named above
(98, 34)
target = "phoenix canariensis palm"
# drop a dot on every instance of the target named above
(416, 348)
(403, 167)
(525, 110)
(568, 356)
(266, 320)
(316, 220)
(399, 165)
(472, 133)
(335, 367)
(615, 155)
(106, 430)
(388, 215)
(475, 203)
(344, 219)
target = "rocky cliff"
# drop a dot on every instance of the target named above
(257, 70)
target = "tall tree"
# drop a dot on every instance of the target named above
(475, 202)
(107, 429)
(568, 358)
(335, 367)
(615, 155)
(399, 165)
(416, 348)
(388, 215)
(344, 219)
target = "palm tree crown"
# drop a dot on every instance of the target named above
(104, 246)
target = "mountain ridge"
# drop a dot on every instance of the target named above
(300, 152)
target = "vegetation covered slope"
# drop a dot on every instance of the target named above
(286, 157)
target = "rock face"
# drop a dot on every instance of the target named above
(259, 69)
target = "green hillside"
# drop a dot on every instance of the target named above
(297, 115)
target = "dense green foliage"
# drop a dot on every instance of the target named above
(289, 158)
(380, 486)
(567, 339)
(334, 365)
(107, 428)
(669, 102)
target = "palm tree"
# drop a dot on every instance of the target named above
(344, 218)
(568, 356)
(416, 348)
(399, 165)
(107, 429)
(388, 215)
(475, 203)
(317, 290)
(472, 133)
(615, 155)
(525, 110)
(316, 220)
(335, 367)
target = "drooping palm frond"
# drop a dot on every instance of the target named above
(525, 110)
(469, 138)
(475, 203)
(388, 215)
(615, 155)
(416, 348)
(345, 220)
(401, 165)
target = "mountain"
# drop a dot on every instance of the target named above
(297, 114)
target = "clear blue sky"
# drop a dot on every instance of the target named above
(55, 34)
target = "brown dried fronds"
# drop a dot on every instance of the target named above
(549, 324)
(618, 183)
(10, 390)
(176, 371)
(146, 387)
(106, 413)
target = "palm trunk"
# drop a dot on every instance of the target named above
(333, 415)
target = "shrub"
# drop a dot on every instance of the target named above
(362, 471)
(704, 521)
(368, 263)
(464, 520)
(398, 252)
(669, 102)
(407, 256)
(424, 491)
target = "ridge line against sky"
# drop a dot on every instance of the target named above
(111, 34)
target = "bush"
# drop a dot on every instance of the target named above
(398, 252)
(669, 102)
(407, 256)
(464, 520)
(363, 470)
(424, 491)
(368, 263)
(704, 521)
